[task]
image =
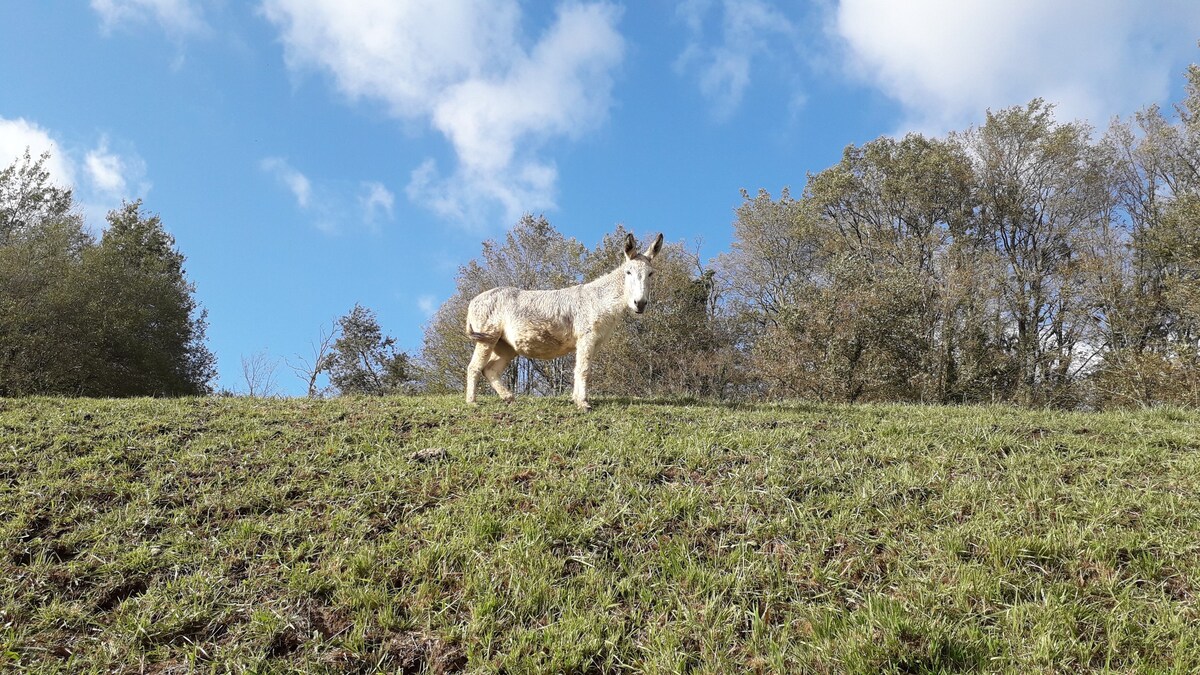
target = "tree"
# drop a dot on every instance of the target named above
(46, 333)
(776, 252)
(842, 292)
(80, 317)
(149, 331)
(1148, 305)
(41, 250)
(774, 263)
(365, 361)
(1043, 194)
(27, 199)
(929, 269)
(309, 368)
(888, 211)
(258, 372)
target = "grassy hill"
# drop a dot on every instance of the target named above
(423, 535)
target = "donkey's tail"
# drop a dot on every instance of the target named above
(480, 337)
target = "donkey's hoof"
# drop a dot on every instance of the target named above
(583, 405)
(508, 400)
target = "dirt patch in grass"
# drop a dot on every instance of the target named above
(414, 652)
(111, 598)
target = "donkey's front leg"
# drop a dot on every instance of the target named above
(583, 356)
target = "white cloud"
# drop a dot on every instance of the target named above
(293, 180)
(112, 174)
(111, 178)
(946, 61)
(463, 67)
(179, 18)
(19, 134)
(332, 205)
(376, 201)
(104, 170)
(108, 177)
(749, 29)
(427, 304)
(469, 194)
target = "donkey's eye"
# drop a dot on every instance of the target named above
(649, 274)
(628, 271)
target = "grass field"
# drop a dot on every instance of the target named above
(423, 535)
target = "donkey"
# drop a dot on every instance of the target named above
(505, 322)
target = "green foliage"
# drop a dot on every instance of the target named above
(27, 199)
(1042, 193)
(419, 534)
(44, 319)
(776, 251)
(849, 287)
(80, 317)
(1176, 242)
(363, 360)
(1151, 323)
(1018, 261)
(148, 331)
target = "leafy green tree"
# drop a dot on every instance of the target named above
(1147, 305)
(149, 330)
(889, 210)
(42, 319)
(928, 269)
(28, 199)
(365, 361)
(846, 290)
(80, 317)
(46, 344)
(775, 259)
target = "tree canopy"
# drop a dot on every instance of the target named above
(114, 316)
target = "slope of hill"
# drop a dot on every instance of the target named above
(423, 535)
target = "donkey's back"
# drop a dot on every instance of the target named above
(537, 324)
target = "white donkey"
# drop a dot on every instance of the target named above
(505, 322)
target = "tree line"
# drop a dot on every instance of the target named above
(1024, 260)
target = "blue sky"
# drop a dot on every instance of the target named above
(310, 154)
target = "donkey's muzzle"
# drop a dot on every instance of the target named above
(639, 306)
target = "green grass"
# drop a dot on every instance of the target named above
(276, 536)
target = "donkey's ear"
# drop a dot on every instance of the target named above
(630, 246)
(655, 247)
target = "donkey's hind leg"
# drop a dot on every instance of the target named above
(502, 355)
(482, 353)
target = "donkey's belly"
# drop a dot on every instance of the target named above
(543, 341)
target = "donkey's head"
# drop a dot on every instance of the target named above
(637, 271)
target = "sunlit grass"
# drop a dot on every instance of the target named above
(239, 534)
